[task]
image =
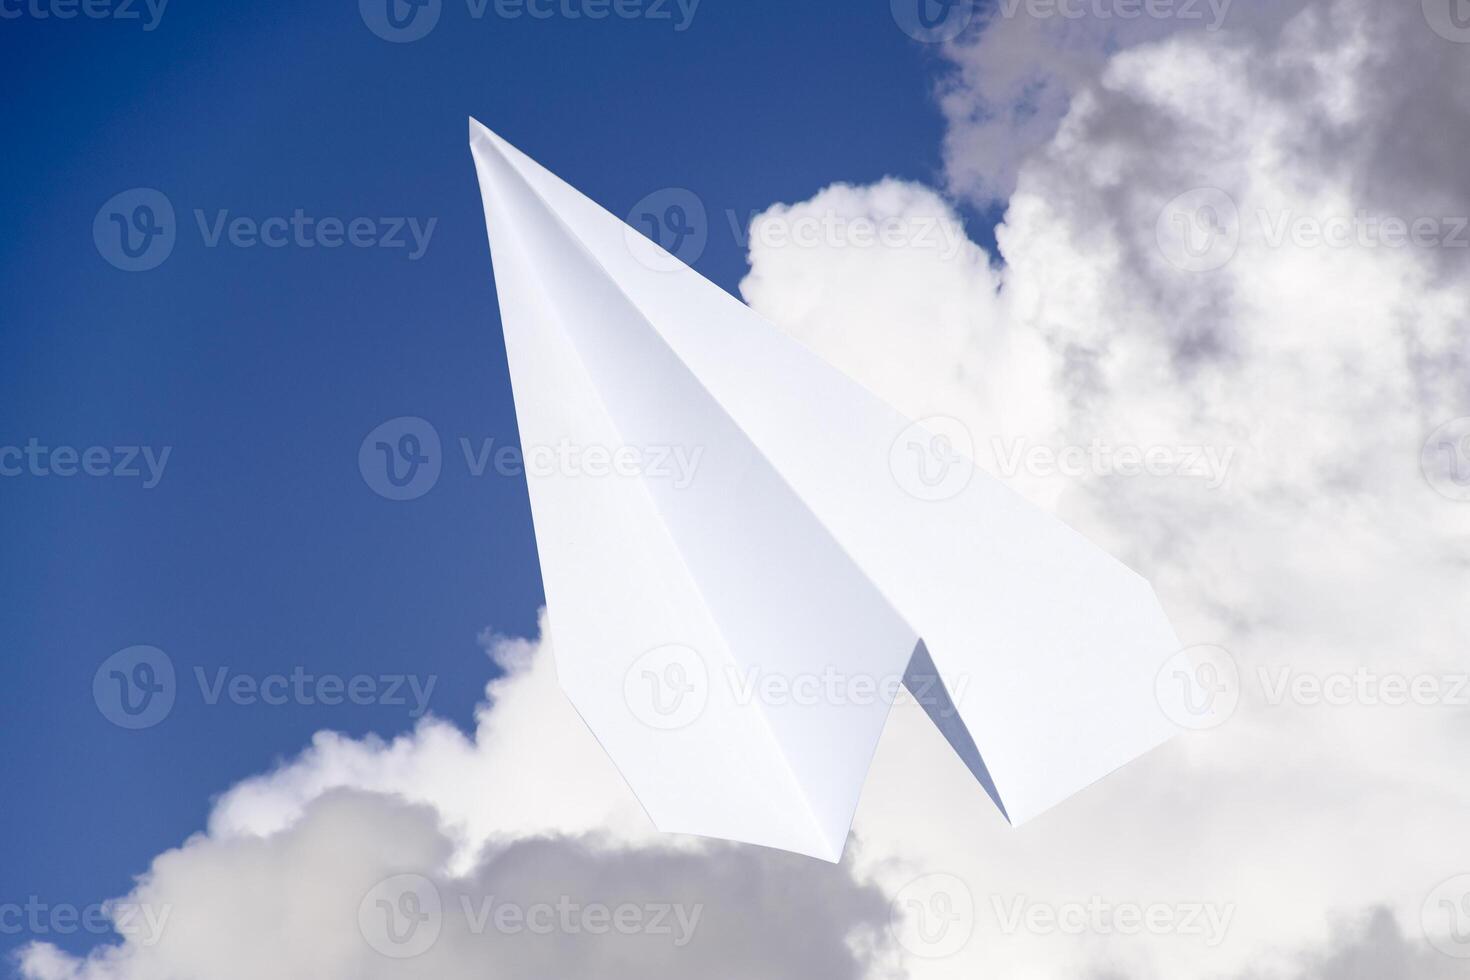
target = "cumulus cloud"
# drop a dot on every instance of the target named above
(1210, 247)
(1372, 946)
(516, 853)
(531, 768)
(1013, 77)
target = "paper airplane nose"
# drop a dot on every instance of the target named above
(742, 550)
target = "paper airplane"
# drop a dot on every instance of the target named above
(735, 637)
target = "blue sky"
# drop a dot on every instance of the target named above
(191, 484)
(261, 549)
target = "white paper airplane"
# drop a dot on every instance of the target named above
(735, 639)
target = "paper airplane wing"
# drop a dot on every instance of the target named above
(739, 571)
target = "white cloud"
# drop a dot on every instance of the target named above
(1325, 558)
(486, 788)
(517, 853)
(1013, 79)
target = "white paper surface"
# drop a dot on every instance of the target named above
(734, 639)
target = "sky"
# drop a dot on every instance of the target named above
(1228, 238)
(261, 548)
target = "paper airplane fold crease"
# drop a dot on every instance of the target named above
(734, 628)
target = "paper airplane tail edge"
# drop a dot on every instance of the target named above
(1012, 766)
